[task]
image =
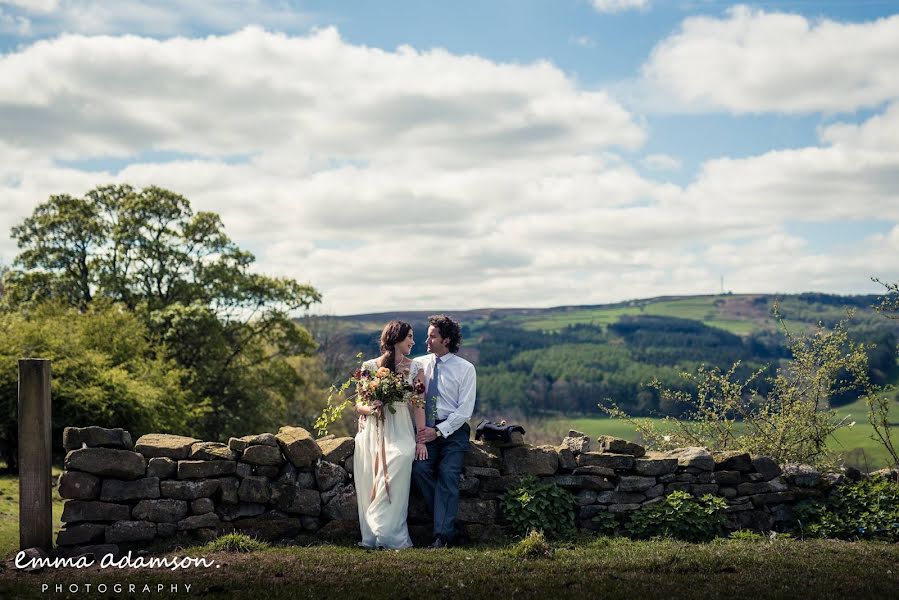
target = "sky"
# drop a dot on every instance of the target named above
(403, 155)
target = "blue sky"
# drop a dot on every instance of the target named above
(527, 153)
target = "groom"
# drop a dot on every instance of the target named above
(449, 403)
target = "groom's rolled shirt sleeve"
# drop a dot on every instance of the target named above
(467, 391)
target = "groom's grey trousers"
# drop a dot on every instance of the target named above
(437, 478)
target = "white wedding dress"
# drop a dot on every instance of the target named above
(382, 495)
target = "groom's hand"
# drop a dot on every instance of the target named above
(428, 434)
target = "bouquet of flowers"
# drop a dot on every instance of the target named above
(382, 385)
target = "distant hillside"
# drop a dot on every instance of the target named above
(565, 360)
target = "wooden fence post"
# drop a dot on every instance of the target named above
(35, 507)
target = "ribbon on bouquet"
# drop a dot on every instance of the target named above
(380, 458)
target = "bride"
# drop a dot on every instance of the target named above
(382, 486)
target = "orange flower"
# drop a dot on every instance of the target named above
(382, 372)
(374, 384)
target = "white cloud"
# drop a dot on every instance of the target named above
(755, 61)
(661, 162)
(615, 6)
(34, 6)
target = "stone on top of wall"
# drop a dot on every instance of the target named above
(298, 446)
(109, 462)
(95, 437)
(155, 445)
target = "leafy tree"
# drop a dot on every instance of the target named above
(229, 328)
(104, 372)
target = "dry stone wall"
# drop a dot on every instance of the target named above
(121, 495)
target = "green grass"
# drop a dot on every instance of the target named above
(700, 308)
(9, 512)
(587, 567)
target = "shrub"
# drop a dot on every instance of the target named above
(862, 510)
(541, 506)
(533, 545)
(680, 515)
(237, 542)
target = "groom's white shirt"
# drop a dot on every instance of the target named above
(455, 392)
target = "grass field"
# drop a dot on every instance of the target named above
(583, 568)
(9, 512)
(855, 441)
(700, 308)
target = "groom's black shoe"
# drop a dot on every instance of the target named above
(439, 542)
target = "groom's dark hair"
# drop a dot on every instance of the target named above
(449, 329)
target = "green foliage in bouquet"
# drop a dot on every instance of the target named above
(539, 506)
(681, 516)
(862, 510)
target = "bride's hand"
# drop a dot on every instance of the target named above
(421, 451)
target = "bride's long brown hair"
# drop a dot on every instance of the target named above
(392, 334)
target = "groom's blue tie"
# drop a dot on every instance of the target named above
(431, 397)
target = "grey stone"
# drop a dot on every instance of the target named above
(696, 457)
(567, 459)
(772, 498)
(620, 508)
(667, 478)
(115, 490)
(586, 482)
(95, 552)
(747, 489)
(92, 510)
(254, 489)
(468, 486)
(739, 506)
(32, 554)
(585, 497)
(244, 470)
(620, 462)
(94, 437)
(342, 506)
(328, 474)
(526, 460)
(162, 467)
(201, 506)
(287, 473)
(155, 445)
(482, 455)
(240, 511)
(262, 456)
(481, 472)
(273, 525)
(211, 451)
(312, 524)
(577, 444)
(290, 498)
(166, 530)
(801, 475)
(189, 489)
(199, 521)
(595, 471)
(473, 510)
(766, 466)
(688, 477)
(727, 492)
(306, 479)
(619, 498)
(756, 519)
(607, 443)
(229, 488)
(678, 486)
(107, 462)
(783, 513)
(732, 460)
(163, 510)
(199, 469)
(130, 531)
(499, 484)
(701, 489)
(298, 446)
(267, 471)
(80, 534)
(635, 483)
(75, 485)
(727, 477)
(655, 466)
(261, 439)
(337, 450)
(655, 491)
